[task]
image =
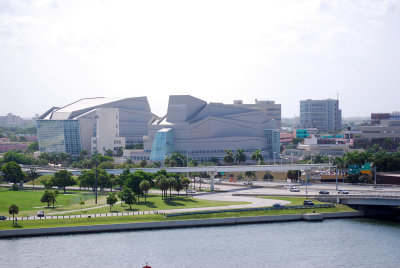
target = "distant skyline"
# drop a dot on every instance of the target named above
(53, 53)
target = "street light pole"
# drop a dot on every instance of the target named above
(337, 178)
(95, 178)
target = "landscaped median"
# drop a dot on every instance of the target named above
(141, 222)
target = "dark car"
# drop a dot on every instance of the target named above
(3, 218)
(323, 192)
(278, 205)
(308, 203)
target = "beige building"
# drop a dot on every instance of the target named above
(386, 129)
(271, 109)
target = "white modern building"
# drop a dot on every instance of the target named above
(94, 124)
(204, 130)
(198, 129)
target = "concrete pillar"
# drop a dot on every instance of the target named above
(212, 176)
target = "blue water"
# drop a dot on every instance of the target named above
(331, 243)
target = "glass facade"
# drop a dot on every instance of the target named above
(163, 144)
(272, 138)
(59, 136)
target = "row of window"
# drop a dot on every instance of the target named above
(211, 151)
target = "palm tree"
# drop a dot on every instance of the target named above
(82, 203)
(229, 157)
(185, 183)
(176, 159)
(257, 156)
(144, 187)
(163, 185)
(341, 164)
(32, 174)
(171, 184)
(13, 209)
(240, 156)
(250, 174)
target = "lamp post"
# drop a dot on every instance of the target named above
(95, 176)
(337, 178)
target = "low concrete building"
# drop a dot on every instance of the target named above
(387, 129)
(324, 149)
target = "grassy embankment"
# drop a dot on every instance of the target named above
(38, 181)
(295, 201)
(148, 218)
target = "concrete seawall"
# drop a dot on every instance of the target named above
(167, 224)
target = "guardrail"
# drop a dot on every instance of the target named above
(380, 196)
(248, 209)
(78, 216)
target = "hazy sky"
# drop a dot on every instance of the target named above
(55, 52)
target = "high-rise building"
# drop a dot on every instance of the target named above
(324, 115)
(94, 124)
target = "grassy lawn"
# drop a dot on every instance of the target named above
(29, 203)
(38, 181)
(147, 218)
(154, 202)
(295, 201)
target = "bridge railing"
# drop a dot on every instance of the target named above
(380, 196)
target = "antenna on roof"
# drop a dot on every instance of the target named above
(337, 95)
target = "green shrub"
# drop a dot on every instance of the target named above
(14, 187)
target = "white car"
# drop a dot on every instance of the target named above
(248, 183)
(341, 191)
(294, 189)
(40, 213)
(190, 191)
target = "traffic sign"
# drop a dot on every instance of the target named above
(354, 169)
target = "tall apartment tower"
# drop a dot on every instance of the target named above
(324, 115)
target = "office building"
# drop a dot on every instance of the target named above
(324, 115)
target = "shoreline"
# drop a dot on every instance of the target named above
(138, 226)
